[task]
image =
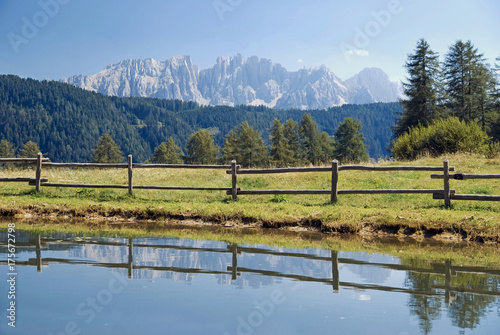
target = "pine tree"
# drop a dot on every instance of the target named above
(308, 132)
(6, 149)
(246, 146)
(30, 150)
(327, 145)
(168, 153)
(495, 105)
(201, 149)
(421, 89)
(107, 151)
(231, 151)
(349, 142)
(281, 154)
(469, 82)
(291, 134)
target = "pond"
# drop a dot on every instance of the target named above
(74, 284)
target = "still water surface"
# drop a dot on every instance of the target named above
(69, 284)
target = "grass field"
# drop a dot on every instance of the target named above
(408, 214)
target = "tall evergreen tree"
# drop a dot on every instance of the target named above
(308, 132)
(349, 142)
(285, 145)
(168, 153)
(201, 149)
(231, 151)
(327, 145)
(421, 89)
(107, 151)
(291, 133)
(30, 150)
(6, 149)
(495, 102)
(469, 82)
(245, 145)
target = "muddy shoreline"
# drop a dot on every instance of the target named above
(118, 216)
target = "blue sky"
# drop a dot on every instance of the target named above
(59, 38)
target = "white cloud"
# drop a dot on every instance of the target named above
(300, 60)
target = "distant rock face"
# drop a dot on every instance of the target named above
(236, 81)
(373, 85)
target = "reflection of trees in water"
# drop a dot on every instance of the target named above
(426, 308)
(465, 310)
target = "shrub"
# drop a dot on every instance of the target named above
(443, 136)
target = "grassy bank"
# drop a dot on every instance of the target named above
(415, 215)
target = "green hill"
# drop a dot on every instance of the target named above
(66, 121)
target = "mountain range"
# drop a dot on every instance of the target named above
(235, 81)
(66, 121)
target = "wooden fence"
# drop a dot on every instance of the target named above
(234, 170)
(465, 176)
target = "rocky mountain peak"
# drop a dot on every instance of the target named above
(234, 81)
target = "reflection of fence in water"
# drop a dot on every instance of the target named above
(446, 269)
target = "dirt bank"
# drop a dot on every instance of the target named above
(367, 228)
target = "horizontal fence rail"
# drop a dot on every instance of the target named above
(341, 168)
(466, 176)
(234, 170)
(135, 166)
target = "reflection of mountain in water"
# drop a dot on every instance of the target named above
(369, 274)
(466, 294)
(25, 242)
(210, 261)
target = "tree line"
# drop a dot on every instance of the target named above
(291, 144)
(463, 89)
(66, 122)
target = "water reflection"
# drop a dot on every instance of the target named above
(465, 296)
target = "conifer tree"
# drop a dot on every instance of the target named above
(201, 149)
(308, 138)
(291, 133)
(231, 151)
(168, 153)
(421, 89)
(316, 147)
(280, 153)
(327, 145)
(30, 150)
(245, 145)
(6, 149)
(349, 142)
(469, 82)
(107, 151)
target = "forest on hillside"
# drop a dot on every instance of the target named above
(66, 122)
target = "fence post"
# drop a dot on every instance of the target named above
(335, 271)
(234, 189)
(130, 176)
(447, 281)
(130, 257)
(446, 174)
(335, 180)
(234, 268)
(38, 171)
(38, 244)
